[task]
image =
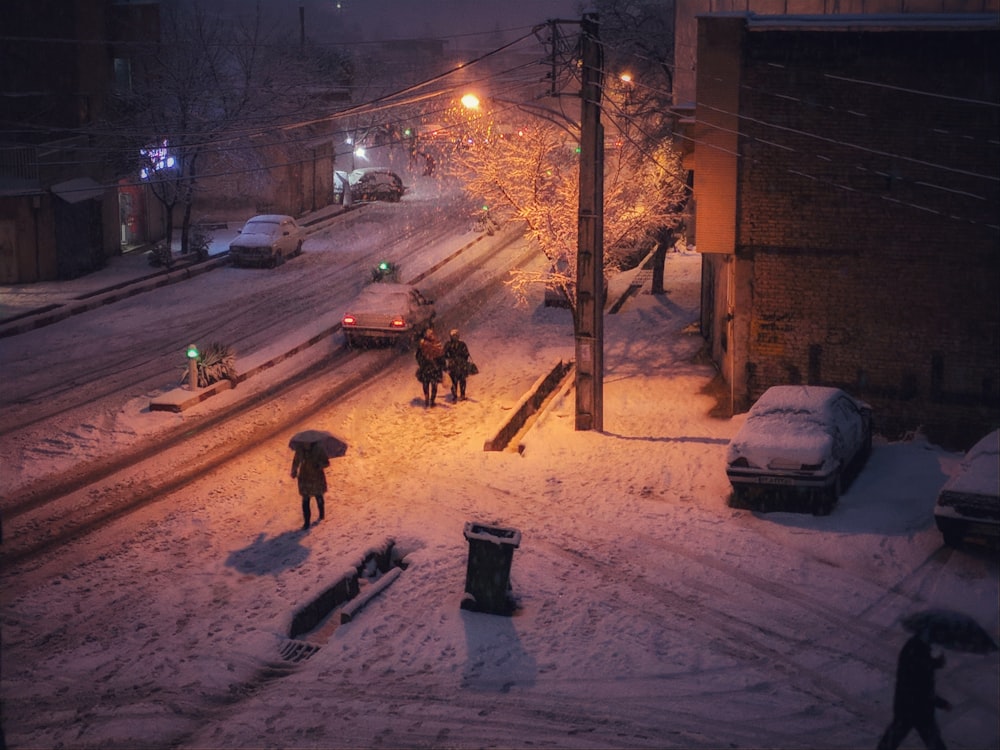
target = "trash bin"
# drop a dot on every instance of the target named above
(487, 578)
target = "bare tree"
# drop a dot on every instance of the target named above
(216, 86)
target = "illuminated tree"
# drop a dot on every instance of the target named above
(526, 169)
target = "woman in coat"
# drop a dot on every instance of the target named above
(430, 365)
(308, 464)
(456, 353)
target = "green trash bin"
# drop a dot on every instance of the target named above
(487, 577)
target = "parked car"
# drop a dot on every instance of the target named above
(375, 184)
(268, 239)
(969, 502)
(800, 446)
(387, 312)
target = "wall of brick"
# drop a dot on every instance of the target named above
(868, 210)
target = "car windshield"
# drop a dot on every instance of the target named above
(261, 227)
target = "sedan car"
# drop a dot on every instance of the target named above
(375, 184)
(800, 445)
(387, 313)
(969, 502)
(267, 240)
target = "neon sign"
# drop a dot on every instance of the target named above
(158, 158)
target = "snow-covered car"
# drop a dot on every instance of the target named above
(375, 184)
(969, 502)
(799, 446)
(268, 239)
(387, 312)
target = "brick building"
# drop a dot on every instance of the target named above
(848, 209)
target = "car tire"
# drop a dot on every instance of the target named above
(739, 498)
(823, 502)
(277, 260)
(298, 249)
(952, 538)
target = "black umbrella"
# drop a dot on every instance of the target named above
(950, 629)
(332, 446)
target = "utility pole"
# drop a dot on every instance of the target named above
(589, 318)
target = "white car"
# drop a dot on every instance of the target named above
(268, 239)
(969, 502)
(800, 445)
(387, 312)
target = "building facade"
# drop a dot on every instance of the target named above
(848, 210)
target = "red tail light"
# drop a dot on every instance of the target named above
(397, 323)
(349, 320)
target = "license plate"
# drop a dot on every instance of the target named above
(774, 480)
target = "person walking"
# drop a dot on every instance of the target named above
(307, 465)
(430, 365)
(915, 698)
(459, 364)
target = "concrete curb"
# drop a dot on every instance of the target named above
(110, 295)
(346, 589)
(528, 405)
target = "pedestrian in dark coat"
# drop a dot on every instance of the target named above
(915, 698)
(456, 354)
(430, 365)
(308, 465)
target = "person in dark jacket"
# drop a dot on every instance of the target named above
(308, 465)
(915, 698)
(430, 365)
(456, 354)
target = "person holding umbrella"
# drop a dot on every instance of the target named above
(307, 465)
(916, 698)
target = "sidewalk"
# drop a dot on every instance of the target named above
(24, 307)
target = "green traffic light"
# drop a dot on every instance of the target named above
(383, 266)
(192, 352)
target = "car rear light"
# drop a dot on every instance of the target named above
(349, 320)
(397, 323)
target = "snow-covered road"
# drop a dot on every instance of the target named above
(651, 614)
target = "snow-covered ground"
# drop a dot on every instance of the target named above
(651, 614)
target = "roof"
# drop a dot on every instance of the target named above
(270, 218)
(864, 21)
(78, 189)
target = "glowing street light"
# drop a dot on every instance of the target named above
(192, 354)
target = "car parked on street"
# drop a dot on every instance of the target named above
(799, 448)
(969, 502)
(369, 184)
(387, 313)
(267, 240)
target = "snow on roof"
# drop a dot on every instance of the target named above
(268, 219)
(803, 398)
